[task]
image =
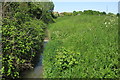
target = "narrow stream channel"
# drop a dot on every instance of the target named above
(37, 72)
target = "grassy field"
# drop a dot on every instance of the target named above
(83, 46)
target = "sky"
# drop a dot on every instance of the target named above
(84, 0)
(81, 6)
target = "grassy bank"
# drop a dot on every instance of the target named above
(84, 46)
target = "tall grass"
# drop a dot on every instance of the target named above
(94, 42)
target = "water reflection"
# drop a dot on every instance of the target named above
(37, 72)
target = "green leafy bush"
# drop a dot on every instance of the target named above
(23, 32)
(20, 45)
(65, 59)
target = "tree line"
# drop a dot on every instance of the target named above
(85, 12)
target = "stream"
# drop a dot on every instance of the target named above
(37, 72)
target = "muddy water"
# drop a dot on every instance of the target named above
(0, 65)
(37, 72)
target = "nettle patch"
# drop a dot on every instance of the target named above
(65, 59)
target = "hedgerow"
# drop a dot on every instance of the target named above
(23, 32)
(20, 45)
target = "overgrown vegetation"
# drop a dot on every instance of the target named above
(23, 32)
(85, 12)
(82, 46)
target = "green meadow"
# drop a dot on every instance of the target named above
(82, 46)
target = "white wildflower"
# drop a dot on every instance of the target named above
(105, 22)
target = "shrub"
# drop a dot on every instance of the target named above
(23, 31)
(20, 45)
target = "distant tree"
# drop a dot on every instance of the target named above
(55, 15)
(88, 12)
(110, 14)
(67, 13)
(75, 13)
(96, 13)
(103, 13)
(118, 14)
(80, 12)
